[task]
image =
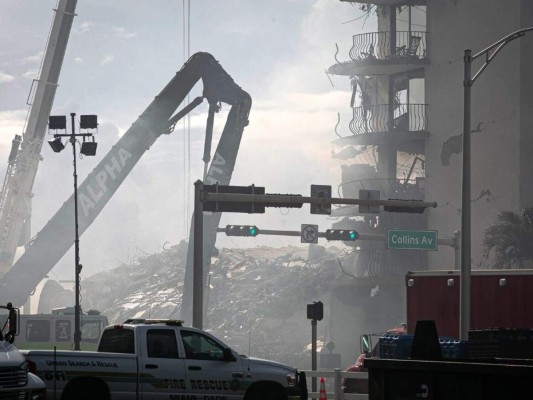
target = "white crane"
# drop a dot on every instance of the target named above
(16, 195)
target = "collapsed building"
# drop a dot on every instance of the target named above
(256, 298)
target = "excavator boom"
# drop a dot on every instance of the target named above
(57, 236)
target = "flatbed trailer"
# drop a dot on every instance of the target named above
(491, 379)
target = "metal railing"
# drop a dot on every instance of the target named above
(384, 118)
(410, 45)
(335, 377)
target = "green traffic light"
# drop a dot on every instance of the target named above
(353, 235)
(253, 231)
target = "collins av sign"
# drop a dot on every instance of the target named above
(411, 240)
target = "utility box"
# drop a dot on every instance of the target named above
(449, 380)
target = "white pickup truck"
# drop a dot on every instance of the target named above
(161, 359)
(15, 380)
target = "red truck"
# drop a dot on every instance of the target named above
(498, 300)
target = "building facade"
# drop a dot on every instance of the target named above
(403, 139)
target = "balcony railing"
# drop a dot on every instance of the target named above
(380, 118)
(407, 45)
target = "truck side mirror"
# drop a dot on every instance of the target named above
(228, 355)
(13, 319)
(366, 344)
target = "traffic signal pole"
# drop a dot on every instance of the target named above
(221, 201)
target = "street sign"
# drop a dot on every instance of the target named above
(309, 233)
(411, 240)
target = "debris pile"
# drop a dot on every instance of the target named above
(257, 297)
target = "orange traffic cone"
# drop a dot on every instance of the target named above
(323, 395)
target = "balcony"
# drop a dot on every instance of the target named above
(372, 125)
(384, 53)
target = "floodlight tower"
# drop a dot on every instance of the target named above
(88, 148)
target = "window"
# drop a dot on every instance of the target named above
(161, 343)
(63, 330)
(37, 330)
(117, 341)
(201, 347)
(90, 331)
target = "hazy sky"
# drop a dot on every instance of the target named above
(120, 55)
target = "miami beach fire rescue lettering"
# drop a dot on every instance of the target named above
(204, 384)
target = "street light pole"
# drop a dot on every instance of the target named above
(464, 296)
(88, 149)
(489, 53)
(77, 265)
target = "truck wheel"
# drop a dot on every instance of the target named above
(265, 391)
(85, 389)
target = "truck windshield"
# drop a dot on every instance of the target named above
(117, 341)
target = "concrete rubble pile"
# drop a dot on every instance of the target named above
(257, 297)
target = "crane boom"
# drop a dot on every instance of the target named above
(16, 195)
(54, 240)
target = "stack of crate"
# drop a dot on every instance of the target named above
(399, 347)
(395, 346)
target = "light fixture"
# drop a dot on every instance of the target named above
(56, 144)
(57, 122)
(88, 122)
(88, 148)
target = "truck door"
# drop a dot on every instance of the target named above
(162, 371)
(210, 375)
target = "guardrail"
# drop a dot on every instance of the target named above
(335, 377)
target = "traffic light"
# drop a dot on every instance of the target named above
(342, 234)
(404, 209)
(242, 230)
